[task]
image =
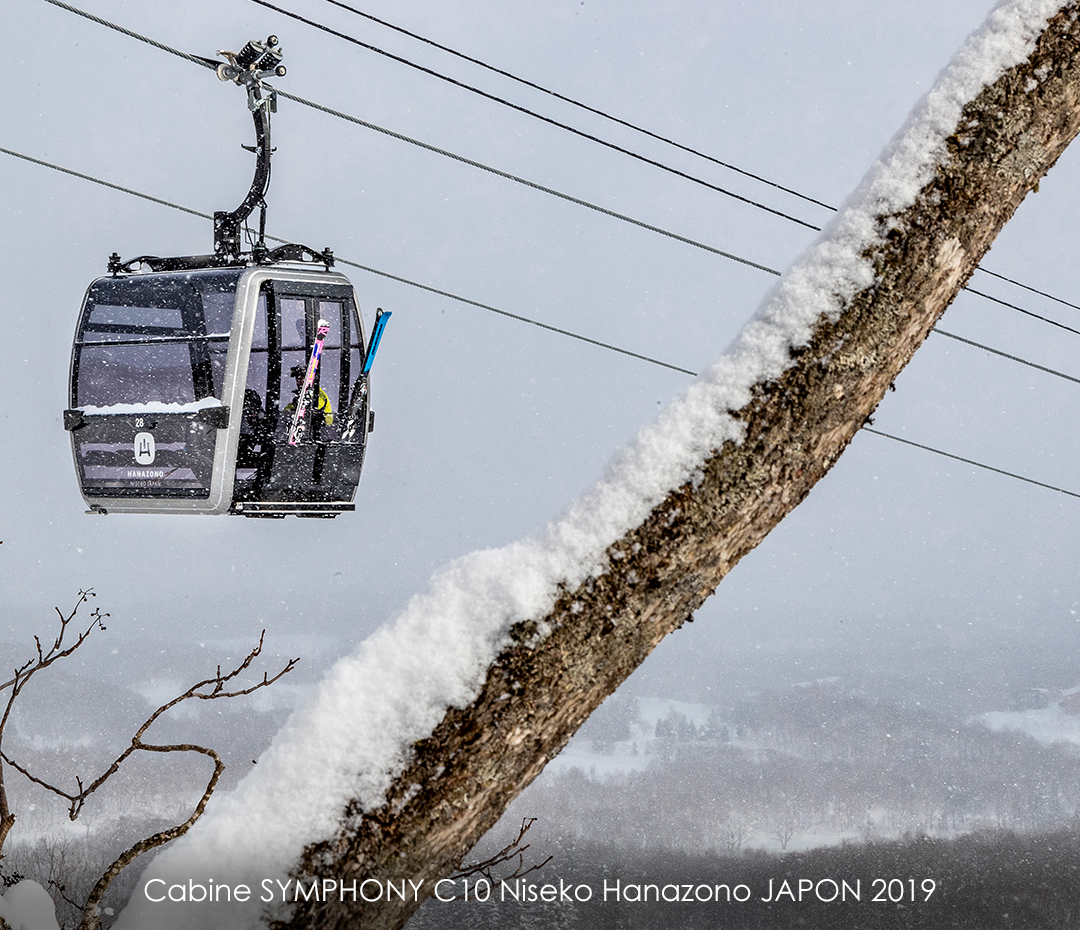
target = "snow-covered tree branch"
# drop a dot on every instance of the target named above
(413, 747)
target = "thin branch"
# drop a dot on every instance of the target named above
(208, 689)
(78, 799)
(91, 919)
(27, 670)
(45, 659)
(508, 853)
(62, 891)
(91, 913)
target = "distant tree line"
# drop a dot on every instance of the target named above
(989, 879)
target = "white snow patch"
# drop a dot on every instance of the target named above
(354, 734)
(1048, 725)
(154, 406)
(27, 906)
(630, 755)
(622, 759)
(158, 691)
(654, 709)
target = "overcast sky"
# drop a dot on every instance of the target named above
(487, 427)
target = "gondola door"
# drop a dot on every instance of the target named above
(318, 475)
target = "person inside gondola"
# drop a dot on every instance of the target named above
(322, 407)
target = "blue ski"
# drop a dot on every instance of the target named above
(381, 316)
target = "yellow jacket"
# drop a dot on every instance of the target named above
(323, 407)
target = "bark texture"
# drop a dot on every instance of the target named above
(462, 777)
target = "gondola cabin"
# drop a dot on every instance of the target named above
(235, 382)
(184, 386)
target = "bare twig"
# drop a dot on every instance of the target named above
(62, 891)
(508, 853)
(31, 667)
(91, 919)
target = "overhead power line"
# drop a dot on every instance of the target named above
(547, 119)
(555, 329)
(1014, 358)
(507, 175)
(367, 268)
(515, 316)
(603, 210)
(634, 126)
(957, 458)
(103, 183)
(439, 151)
(527, 183)
(131, 33)
(1027, 287)
(579, 104)
(476, 303)
(1005, 303)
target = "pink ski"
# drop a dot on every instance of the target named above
(303, 399)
